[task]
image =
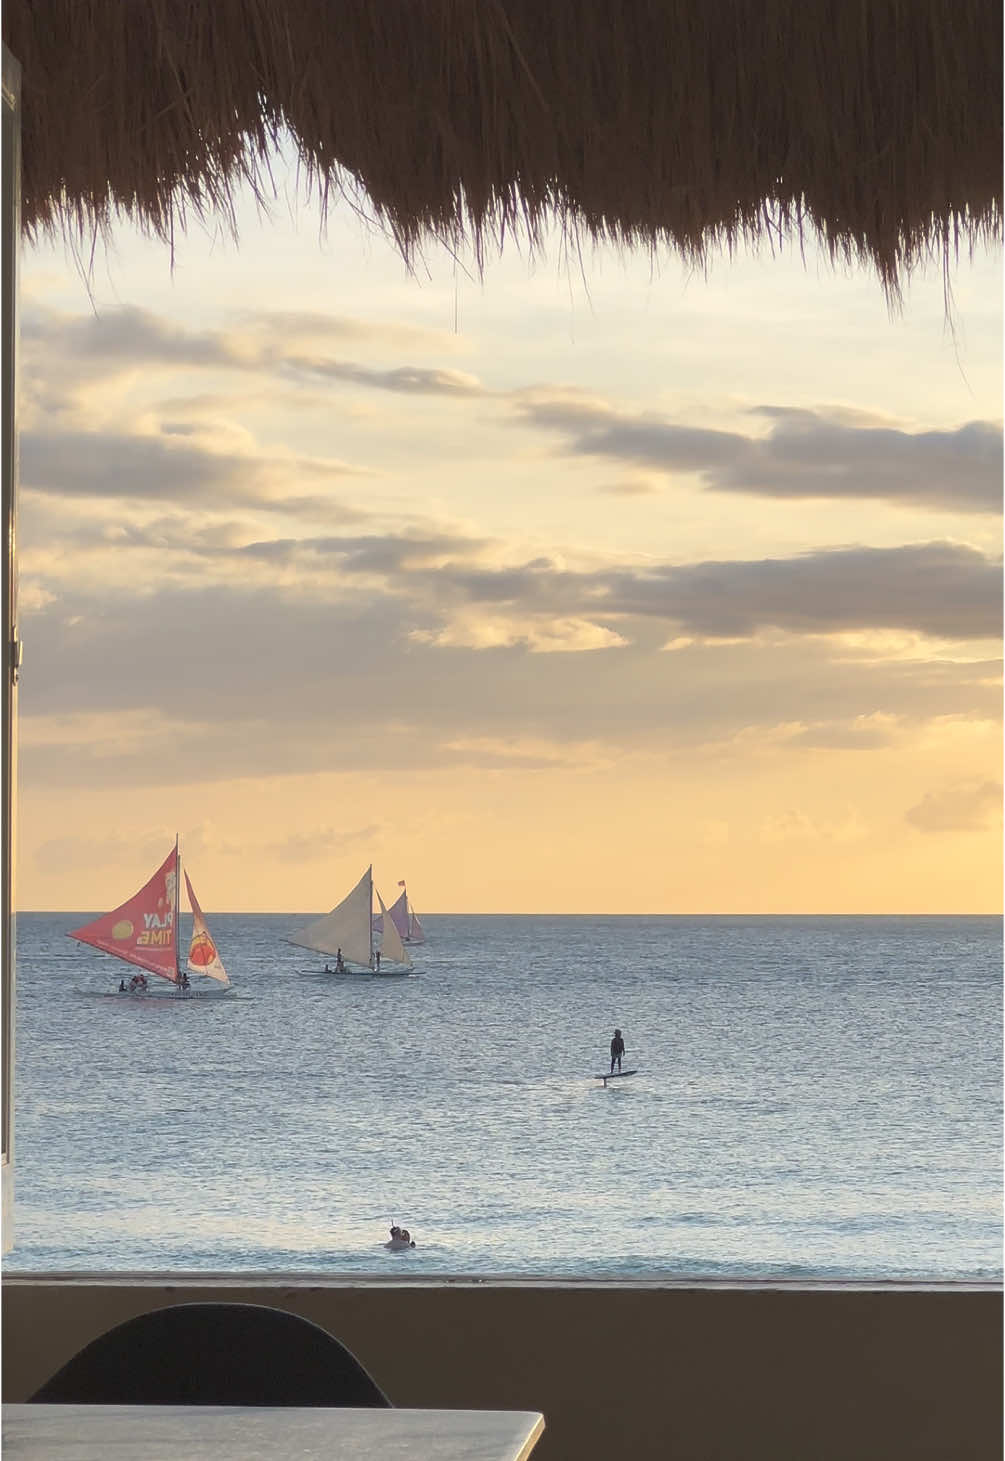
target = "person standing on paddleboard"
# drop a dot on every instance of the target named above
(617, 1050)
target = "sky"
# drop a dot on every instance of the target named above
(586, 583)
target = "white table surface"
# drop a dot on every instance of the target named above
(246, 1433)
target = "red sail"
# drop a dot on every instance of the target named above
(142, 931)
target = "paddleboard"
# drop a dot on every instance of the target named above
(616, 1075)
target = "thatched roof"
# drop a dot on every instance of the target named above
(876, 124)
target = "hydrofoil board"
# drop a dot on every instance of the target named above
(615, 1075)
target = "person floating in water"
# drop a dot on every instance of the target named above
(617, 1050)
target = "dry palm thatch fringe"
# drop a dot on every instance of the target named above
(875, 124)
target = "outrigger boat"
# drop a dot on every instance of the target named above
(144, 931)
(347, 932)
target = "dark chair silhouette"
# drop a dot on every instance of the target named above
(214, 1354)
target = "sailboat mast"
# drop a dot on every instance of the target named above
(370, 918)
(177, 911)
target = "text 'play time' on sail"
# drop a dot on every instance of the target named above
(144, 931)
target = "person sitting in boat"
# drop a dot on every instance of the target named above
(184, 982)
(137, 984)
(400, 1238)
(122, 986)
(617, 1050)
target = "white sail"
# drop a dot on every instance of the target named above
(346, 927)
(203, 955)
(404, 918)
(416, 932)
(391, 946)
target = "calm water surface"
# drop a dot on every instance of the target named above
(816, 1097)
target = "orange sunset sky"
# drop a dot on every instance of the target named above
(588, 585)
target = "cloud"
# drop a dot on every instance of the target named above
(262, 676)
(414, 641)
(286, 327)
(940, 589)
(71, 851)
(966, 806)
(833, 453)
(552, 636)
(321, 842)
(489, 753)
(405, 380)
(125, 340)
(183, 634)
(414, 552)
(479, 594)
(798, 826)
(165, 469)
(862, 733)
(640, 484)
(943, 590)
(804, 455)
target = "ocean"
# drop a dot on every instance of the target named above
(817, 1098)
